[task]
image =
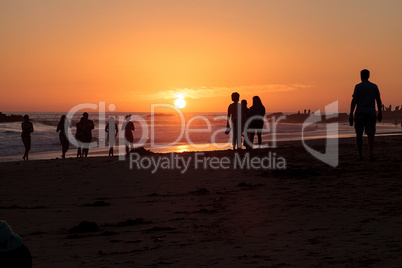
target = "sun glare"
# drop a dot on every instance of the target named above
(180, 102)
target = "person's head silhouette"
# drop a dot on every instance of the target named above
(257, 101)
(26, 118)
(85, 115)
(235, 97)
(365, 74)
(244, 103)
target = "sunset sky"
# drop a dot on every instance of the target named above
(293, 54)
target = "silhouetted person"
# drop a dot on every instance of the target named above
(87, 126)
(128, 128)
(27, 129)
(65, 144)
(111, 139)
(245, 113)
(13, 252)
(308, 111)
(257, 113)
(234, 119)
(364, 97)
(305, 111)
(79, 136)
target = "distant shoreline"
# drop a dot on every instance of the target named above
(102, 152)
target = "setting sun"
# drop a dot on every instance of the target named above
(180, 102)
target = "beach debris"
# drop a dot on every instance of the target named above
(37, 233)
(84, 227)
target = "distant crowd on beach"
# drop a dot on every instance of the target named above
(243, 122)
(83, 134)
(389, 108)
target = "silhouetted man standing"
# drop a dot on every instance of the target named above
(364, 97)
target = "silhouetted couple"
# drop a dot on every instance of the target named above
(246, 121)
(84, 135)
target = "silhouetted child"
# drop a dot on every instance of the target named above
(111, 139)
(65, 144)
(245, 113)
(27, 129)
(234, 119)
(13, 252)
(257, 113)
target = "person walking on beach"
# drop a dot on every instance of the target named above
(128, 128)
(13, 251)
(79, 136)
(364, 97)
(87, 127)
(257, 113)
(111, 127)
(234, 119)
(27, 129)
(65, 144)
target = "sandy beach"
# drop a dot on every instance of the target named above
(307, 215)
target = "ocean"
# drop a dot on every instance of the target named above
(160, 133)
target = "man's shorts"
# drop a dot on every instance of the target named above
(365, 122)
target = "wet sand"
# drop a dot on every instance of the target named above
(308, 215)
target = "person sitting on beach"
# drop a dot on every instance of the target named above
(87, 127)
(128, 128)
(65, 144)
(27, 129)
(13, 252)
(257, 113)
(234, 119)
(111, 139)
(364, 97)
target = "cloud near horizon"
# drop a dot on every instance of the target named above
(212, 92)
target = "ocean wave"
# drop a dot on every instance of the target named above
(11, 132)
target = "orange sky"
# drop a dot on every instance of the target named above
(293, 54)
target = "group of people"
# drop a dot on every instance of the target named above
(83, 134)
(245, 122)
(241, 121)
